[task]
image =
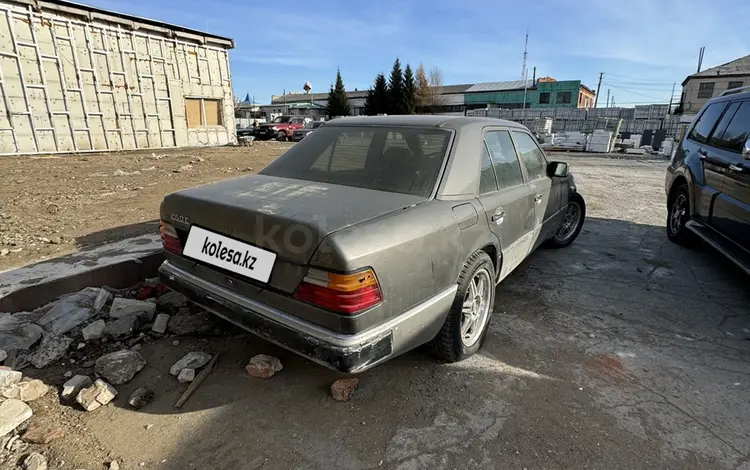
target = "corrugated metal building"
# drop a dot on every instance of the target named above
(78, 78)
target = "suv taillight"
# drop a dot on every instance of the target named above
(342, 293)
(169, 238)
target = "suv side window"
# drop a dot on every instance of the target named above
(706, 122)
(736, 129)
(504, 159)
(487, 182)
(531, 156)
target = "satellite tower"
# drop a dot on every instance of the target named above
(525, 53)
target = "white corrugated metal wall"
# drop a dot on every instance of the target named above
(72, 85)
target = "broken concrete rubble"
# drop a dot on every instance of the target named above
(120, 366)
(122, 306)
(73, 309)
(34, 461)
(26, 391)
(98, 394)
(23, 336)
(192, 360)
(93, 330)
(38, 433)
(263, 366)
(172, 300)
(74, 385)
(9, 377)
(123, 327)
(160, 323)
(342, 389)
(186, 375)
(51, 349)
(191, 324)
(140, 398)
(12, 414)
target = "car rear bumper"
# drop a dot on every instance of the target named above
(346, 353)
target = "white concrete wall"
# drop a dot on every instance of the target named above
(73, 85)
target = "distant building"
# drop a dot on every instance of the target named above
(702, 86)
(80, 78)
(457, 99)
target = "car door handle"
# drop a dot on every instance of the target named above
(736, 168)
(498, 217)
(703, 154)
(538, 199)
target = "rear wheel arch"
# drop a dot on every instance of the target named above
(493, 252)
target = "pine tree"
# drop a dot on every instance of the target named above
(377, 97)
(338, 102)
(422, 93)
(410, 90)
(396, 97)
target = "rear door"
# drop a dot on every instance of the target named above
(708, 184)
(506, 200)
(546, 207)
(732, 207)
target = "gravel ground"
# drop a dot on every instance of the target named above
(52, 205)
(620, 351)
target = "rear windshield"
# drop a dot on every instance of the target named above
(395, 159)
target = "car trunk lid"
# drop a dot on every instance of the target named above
(285, 216)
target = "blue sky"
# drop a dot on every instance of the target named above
(642, 46)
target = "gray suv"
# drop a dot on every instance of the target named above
(708, 179)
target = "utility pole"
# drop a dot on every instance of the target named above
(524, 75)
(608, 97)
(613, 101)
(596, 98)
(525, 84)
(669, 110)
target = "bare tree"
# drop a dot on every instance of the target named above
(422, 94)
(436, 97)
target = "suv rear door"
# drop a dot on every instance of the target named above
(708, 184)
(732, 206)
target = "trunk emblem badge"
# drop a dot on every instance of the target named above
(179, 218)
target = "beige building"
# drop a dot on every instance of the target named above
(702, 86)
(77, 78)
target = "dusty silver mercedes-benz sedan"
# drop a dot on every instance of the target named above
(372, 236)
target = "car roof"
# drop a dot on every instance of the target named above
(731, 96)
(415, 120)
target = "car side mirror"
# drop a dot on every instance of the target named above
(557, 169)
(746, 150)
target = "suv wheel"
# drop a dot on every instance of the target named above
(466, 326)
(281, 136)
(678, 213)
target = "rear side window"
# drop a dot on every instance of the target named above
(736, 132)
(706, 122)
(365, 157)
(504, 159)
(487, 182)
(531, 156)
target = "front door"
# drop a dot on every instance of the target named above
(732, 208)
(546, 203)
(506, 200)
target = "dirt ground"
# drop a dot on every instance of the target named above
(52, 205)
(621, 351)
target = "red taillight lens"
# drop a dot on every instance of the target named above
(343, 293)
(169, 238)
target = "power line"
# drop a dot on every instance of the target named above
(634, 92)
(644, 79)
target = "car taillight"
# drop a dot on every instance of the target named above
(169, 238)
(342, 293)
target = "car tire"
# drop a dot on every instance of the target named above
(452, 343)
(281, 136)
(567, 234)
(678, 213)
